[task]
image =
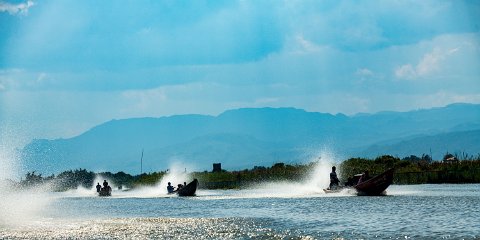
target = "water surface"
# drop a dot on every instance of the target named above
(416, 211)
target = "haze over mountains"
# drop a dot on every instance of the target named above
(243, 138)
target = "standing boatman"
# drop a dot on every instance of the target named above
(333, 179)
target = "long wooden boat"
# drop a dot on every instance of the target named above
(188, 190)
(105, 192)
(376, 185)
(337, 190)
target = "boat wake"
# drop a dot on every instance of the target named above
(158, 190)
(311, 186)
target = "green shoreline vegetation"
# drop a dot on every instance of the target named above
(409, 170)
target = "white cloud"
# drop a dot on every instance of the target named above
(16, 79)
(430, 63)
(41, 77)
(303, 45)
(365, 76)
(364, 72)
(406, 71)
(14, 9)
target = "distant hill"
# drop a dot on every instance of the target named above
(466, 142)
(252, 136)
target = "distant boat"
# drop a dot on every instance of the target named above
(189, 189)
(372, 187)
(105, 192)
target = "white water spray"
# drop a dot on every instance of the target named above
(18, 206)
(81, 191)
(313, 184)
(176, 175)
(319, 178)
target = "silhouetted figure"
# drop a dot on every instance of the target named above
(333, 179)
(99, 187)
(106, 190)
(170, 188)
(365, 177)
(179, 186)
(184, 184)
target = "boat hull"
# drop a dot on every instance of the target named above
(104, 193)
(326, 190)
(377, 185)
(188, 190)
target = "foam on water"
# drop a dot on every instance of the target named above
(434, 215)
(319, 178)
(397, 190)
(17, 205)
(312, 186)
(176, 175)
(99, 178)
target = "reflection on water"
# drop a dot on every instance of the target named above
(152, 228)
(419, 211)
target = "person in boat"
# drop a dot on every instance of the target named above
(179, 186)
(333, 179)
(170, 188)
(106, 187)
(98, 187)
(184, 184)
(365, 176)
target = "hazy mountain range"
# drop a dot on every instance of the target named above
(243, 138)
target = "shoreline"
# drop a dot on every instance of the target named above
(407, 172)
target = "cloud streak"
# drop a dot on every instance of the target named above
(16, 9)
(429, 64)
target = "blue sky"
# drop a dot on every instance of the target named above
(66, 66)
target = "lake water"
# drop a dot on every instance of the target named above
(268, 212)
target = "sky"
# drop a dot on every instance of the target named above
(66, 66)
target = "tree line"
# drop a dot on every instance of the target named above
(418, 170)
(453, 168)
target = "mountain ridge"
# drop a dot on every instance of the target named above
(232, 137)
